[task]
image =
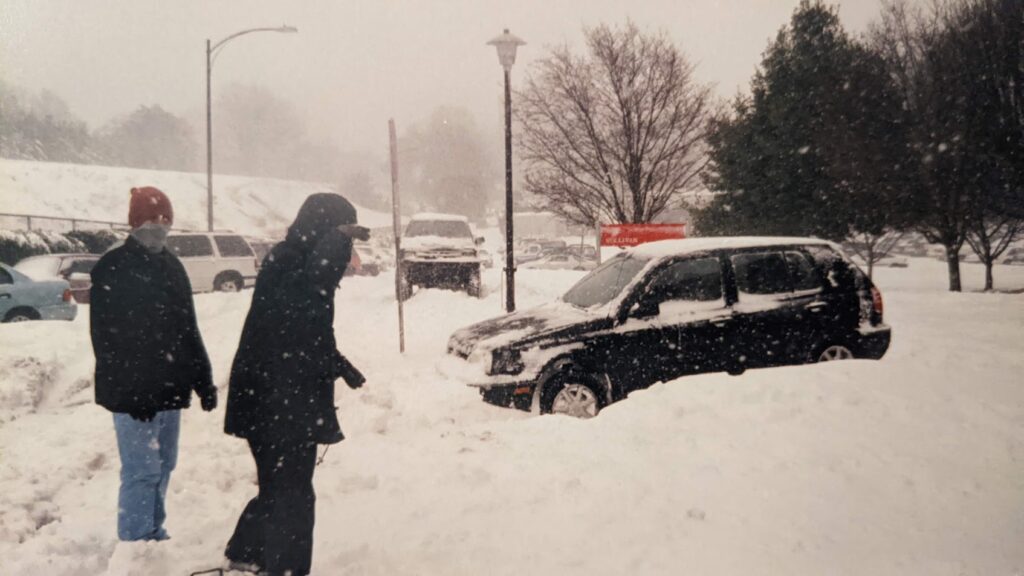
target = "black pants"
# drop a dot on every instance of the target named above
(275, 531)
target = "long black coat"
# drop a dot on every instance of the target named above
(149, 353)
(282, 378)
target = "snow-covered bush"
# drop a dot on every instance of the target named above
(18, 244)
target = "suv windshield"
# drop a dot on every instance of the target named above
(443, 228)
(606, 282)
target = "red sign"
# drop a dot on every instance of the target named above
(633, 234)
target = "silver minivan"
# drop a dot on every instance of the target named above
(215, 261)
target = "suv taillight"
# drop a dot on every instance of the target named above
(876, 301)
(67, 295)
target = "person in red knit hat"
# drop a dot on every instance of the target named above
(150, 357)
(149, 204)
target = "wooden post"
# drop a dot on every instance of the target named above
(396, 215)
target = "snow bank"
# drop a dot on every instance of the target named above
(910, 465)
(252, 206)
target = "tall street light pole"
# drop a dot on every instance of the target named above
(507, 45)
(211, 54)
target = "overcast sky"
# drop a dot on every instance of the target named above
(353, 63)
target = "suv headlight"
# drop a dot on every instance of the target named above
(504, 361)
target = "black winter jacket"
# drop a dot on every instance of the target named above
(149, 353)
(282, 378)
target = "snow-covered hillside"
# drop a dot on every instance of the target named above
(911, 465)
(253, 206)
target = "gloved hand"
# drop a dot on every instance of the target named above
(344, 369)
(208, 398)
(143, 415)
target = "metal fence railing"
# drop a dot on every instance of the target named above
(32, 222)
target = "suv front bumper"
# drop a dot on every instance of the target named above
(440, 272)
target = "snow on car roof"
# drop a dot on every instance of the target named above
(672, 247)
(64, 255)
(431, 216)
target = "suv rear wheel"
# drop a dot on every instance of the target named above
(228, 282)
(835, 352)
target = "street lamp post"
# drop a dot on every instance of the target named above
(506, 45)
(210, 56)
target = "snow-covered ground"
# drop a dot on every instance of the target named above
(910, 465)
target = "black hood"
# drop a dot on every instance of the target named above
(548, 322)
(323, 250)
(320, 213)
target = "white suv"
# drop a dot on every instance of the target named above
(219, 261)
(439, 250)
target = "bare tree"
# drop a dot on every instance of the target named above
(616, 135)
(872, 247)
(960, 69)
(990, 237)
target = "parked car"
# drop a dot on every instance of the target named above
(564, 261)
(219, 261)
(74, 268)
(260, 248)
(22, 298)
(378, 257)
(527, 253)
(668, 309)
(364, 262)
(439, 250)
(583, 251)
(548, 247)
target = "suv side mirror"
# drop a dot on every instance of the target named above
(478, 240)
(646, 308)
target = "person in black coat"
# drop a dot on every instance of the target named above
(150, 358)
(281, 392)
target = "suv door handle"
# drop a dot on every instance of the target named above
(4, 296)
(815, 306)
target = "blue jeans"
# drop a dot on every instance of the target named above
(149, 451)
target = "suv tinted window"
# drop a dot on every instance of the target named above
(188, 246)
(443, 228)
(694, 280)
(230, 246)
(761, 273)
(801, 270)
(5, 277)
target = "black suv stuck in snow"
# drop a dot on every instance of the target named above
(669, 309)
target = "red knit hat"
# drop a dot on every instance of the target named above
(146, 204)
